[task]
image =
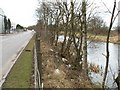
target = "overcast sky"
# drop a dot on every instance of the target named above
(20, 11)
(23, 11)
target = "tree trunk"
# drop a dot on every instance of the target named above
(57, 36)
(107, 47)
(84, 38)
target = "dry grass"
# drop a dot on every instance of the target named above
(56, 74)
(113, 39)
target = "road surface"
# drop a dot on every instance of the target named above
(10, 47)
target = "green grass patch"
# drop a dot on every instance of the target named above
(20, 75)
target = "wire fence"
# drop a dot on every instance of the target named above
(38, 64)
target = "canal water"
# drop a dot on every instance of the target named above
(96, 55)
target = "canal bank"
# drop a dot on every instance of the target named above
(97, 57)
(100, 38)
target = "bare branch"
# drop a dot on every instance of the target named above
(115, 16)
(106, 7)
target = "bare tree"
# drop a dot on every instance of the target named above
(84, 37)
(107, 46)
(67, 15)
(71, 20)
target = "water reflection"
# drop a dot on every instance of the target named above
(96, 54)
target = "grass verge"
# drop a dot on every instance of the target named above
(20, 75)
(113, 39)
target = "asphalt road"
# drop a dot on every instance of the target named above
(10, 47)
